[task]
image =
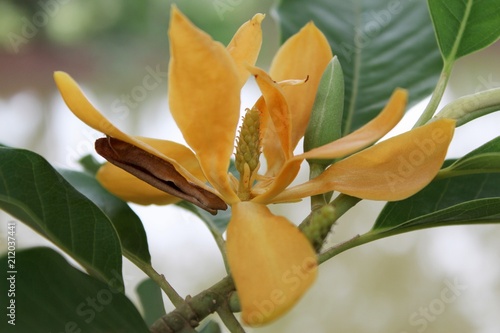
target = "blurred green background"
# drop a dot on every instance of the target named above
(401, 284)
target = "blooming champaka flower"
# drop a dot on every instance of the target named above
(271, 261)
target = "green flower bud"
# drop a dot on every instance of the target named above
(325, 124)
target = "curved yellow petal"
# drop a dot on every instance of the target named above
(305, 54)
(204, 98)
(272, 150)
(351, 143)
(270, 142)
(130, 188)
(245, 46)
(391, 170)
(373, 131)
(277, 108)
(85, 111)
(271, 261)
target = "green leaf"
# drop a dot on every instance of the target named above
(458, 200)
(325, 124)
(380, 44)
(90, 164)
(485, 159)
(53, 296)
(464, 26)
(151, 300)
(33, 192)
(126, 222)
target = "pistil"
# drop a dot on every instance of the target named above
(248, 151)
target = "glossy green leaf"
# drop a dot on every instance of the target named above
(485, 159)
(380, 44)
(33, 192)
(458, 200)
(151, 299)
(126, 222)
(464, 26)
(325, 124)
(53, 296)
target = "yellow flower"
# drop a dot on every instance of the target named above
(271, 261)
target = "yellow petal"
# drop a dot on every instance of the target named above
(305, 54)
(204, 98)
(391, 170)
(373, 131)
(351, 143)
(273, 150)
(270, 142)
(277, 108)
(245, 46)
(130, 188)
(271, 261)
(81, 107)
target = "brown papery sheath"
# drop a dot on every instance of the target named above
(156, 172)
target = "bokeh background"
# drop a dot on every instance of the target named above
(438, 280)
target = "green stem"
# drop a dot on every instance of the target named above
(449, 60)
(172, 295)
(353, 242)
(316, 200)
(217, 235)
(229, 320)
(221, 244)
(449, 172)
(437, 95)
(194, 309)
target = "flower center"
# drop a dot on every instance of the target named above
(248, 150)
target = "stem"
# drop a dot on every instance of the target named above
(449, 172)
(217, 235)
(316, 200)
(172, 295)
(353, 242)
(437, 95)
(228, 318)
(221, 244)
(449, 60)
(194, 309)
